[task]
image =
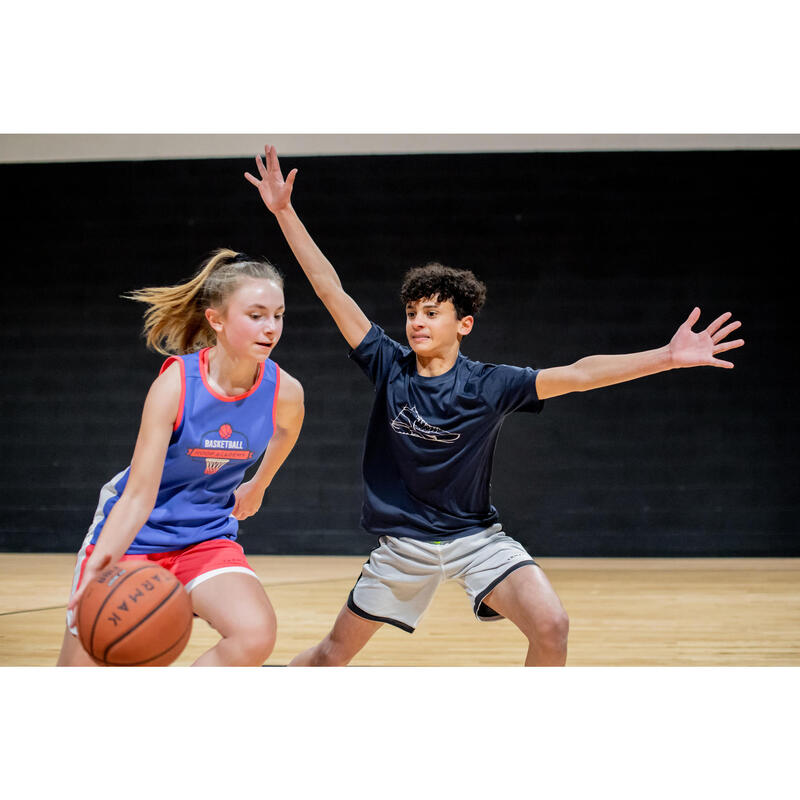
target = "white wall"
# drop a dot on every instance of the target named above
(105, 147)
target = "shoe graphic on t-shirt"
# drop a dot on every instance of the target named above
(409, 423)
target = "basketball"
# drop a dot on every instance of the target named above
(134, 614)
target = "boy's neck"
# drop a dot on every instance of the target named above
(431, 366)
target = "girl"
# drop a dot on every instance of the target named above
(211, 413)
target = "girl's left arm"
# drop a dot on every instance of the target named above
(289, 413)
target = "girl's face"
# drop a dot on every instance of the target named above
(252, 322)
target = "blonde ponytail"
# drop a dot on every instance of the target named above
(175, 321)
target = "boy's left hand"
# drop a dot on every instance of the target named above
(690, 349)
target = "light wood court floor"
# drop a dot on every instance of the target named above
(623, 612)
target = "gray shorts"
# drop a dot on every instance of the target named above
(398, 582)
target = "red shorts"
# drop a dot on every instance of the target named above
(191, 566)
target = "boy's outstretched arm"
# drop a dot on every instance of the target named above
(276, 194)
(686, 349)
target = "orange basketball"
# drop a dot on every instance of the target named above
(134, 614)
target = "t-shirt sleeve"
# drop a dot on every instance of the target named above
(376, 353)
(508, 389)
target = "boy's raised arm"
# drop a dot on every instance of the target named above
(686, 349)
(276, 194)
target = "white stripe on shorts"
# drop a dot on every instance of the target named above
(195, 582)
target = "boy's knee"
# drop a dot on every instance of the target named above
(552, 630)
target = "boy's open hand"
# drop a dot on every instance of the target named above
(690, 349)
(274, 191)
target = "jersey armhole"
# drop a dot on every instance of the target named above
(164, 366)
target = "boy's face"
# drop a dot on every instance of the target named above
(432, 327)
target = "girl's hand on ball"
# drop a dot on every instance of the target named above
(91, 571)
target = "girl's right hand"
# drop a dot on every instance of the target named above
(275, 192)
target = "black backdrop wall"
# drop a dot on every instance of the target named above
(582, 253)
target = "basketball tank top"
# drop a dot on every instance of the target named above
(214, 440)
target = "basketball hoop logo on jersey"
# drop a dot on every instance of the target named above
(220, 447)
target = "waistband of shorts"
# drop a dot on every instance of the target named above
(443, 540)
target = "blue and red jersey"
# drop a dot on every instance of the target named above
(214, 440)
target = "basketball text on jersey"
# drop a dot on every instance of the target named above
(220, 447)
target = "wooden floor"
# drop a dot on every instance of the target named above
(623, 612)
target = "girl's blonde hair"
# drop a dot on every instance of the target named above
(175, 322)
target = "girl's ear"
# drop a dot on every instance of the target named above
(214, 319)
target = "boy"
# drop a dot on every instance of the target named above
(429, 446)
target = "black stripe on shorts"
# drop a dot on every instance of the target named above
(479, 599)
(359, 612)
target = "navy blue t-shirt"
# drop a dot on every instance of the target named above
(430, 441)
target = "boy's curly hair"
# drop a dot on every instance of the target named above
(459, 286)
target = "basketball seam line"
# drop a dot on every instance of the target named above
(143, 619)
(108, 597)
(158, 655)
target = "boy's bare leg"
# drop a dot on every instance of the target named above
(349, 634)
(527, 599)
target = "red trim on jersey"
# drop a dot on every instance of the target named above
(224, 397)
(179, 417)
(275, 396)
